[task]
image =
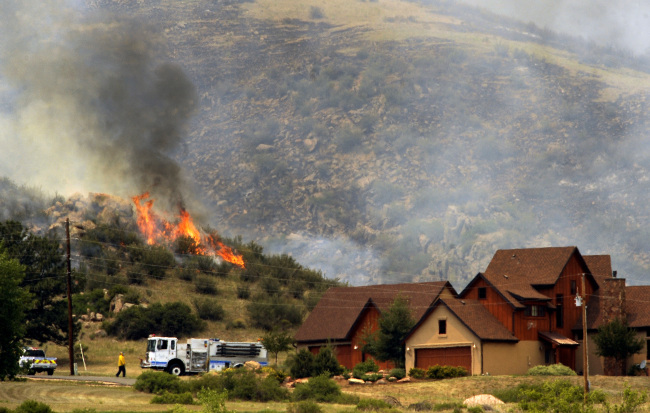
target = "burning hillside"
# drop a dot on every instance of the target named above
(157, 230)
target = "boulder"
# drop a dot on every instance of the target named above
(252, 365)
(486, 401)
(356, 381)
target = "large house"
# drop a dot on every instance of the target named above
(520, 312)
(344, 315)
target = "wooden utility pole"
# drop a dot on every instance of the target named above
(585, 361)
(70, 327)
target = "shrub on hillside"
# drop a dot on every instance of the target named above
(268, 312)
(559, 396)
(209, 309)
(373, 405)
(243, 292)
(168, 319)
(157, 382)
(156, 260)
(552, 370)
(205, 284)
(91, 301)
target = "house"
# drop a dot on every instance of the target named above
(531, 294)
(344, 315)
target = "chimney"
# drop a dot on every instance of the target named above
(613, 299)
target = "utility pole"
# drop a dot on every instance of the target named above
(585, 365)
(70, 328)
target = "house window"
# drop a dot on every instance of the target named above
(574, 289)
(559, 314)
(535, 311)
(482, 293)
(442, 327)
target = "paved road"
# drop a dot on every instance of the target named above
(122, 381)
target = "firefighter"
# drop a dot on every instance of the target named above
(121, 365)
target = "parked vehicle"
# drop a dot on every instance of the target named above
(34, 360)
(199, 355)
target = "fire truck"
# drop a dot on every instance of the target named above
(199, 355)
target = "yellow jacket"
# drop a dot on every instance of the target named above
(121, 361)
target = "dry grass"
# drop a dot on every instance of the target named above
(65, 396)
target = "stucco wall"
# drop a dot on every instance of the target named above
(516, 358)
(426, 336)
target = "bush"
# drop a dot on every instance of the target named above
(305, 406)
(205, 284)
(269, 312)
(173, 398)
(168, 319)
(398, 373)
(243, 292)
(326, 362)
(445, 372)
(237, 323)
(363, 368)
(552, 370)
(301, 364)
(320, 388)
(417, 373)
(213, 401)
(32, 406)
(209, 309)
(243, 384)
(158, 383)
(559, 396)
(373, 404)
(156, 260)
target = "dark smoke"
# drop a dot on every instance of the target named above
(93, 100)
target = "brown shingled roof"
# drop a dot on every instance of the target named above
(600, 266)
(339, 308)
(515, 272)
(478, 319)
(637, 303)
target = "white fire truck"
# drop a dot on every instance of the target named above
(199, 355)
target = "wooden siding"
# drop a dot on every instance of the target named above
(493, 301)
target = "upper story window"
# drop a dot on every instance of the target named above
(574, 288)
(535, 311)
(482, 293)
(442, 327)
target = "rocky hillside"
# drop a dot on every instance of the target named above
(390, 140)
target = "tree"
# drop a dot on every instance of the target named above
(42, 257)
(15, 300)
(617, 340)
(387, 342)
(276, 341)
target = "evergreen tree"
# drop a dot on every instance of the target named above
(15, 301)
(387, 342)
(45, 279)
(616, 339)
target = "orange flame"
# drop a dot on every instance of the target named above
(157, 230)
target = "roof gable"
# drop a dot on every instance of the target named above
(474, 316)
(515, 273)
(339, 309)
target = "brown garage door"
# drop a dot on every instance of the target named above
(446, 356)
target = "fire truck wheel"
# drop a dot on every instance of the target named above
(31, 372)
(50, 372)
(176, 369)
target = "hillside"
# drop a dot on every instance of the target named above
(385, 141)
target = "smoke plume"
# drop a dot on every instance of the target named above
(90, 103)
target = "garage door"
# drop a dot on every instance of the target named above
(446, 356)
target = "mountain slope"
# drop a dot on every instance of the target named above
(389, 140)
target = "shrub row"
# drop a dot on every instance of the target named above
(438, 372)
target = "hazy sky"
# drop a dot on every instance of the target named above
(623, 23)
